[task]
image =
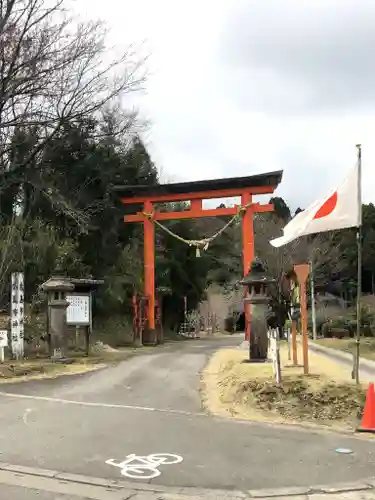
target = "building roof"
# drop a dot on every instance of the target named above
(269, 179)
(76, 284)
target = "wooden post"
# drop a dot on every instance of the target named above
(302, 272)
(88, 331)
(159, 318)
(149, 269)
(135, 317)
(305, 336)
(247, 253)
(185, 309)
(294, 342)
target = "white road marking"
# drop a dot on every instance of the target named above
(100, 405)
(24, 416)
(72, 402)
(345, 451)
(144, 467)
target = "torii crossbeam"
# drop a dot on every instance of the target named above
(195, 193)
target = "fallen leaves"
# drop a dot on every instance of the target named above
(248, 391)
(297, 400)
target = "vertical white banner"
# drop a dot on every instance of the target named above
(17, 314)
(21, 312)
(273, 336)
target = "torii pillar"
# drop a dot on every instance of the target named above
(149, 265)
(194, 193)
(302, 273)
(247, 254)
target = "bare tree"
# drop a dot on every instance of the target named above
(54, 71)
(10, 254)
(218, 304)
(318, 248)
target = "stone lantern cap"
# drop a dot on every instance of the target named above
(257, 275)
(57, 284)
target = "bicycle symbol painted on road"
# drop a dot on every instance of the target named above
(144, 467)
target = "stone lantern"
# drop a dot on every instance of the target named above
(57, 289)
(258, 281)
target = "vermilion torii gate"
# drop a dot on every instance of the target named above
(195, 193)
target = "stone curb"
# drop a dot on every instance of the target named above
(342, 355)
(187, 492)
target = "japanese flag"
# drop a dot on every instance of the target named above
(340, 209)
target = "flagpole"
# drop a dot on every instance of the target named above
(359, 268)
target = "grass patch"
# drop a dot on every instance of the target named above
(367, 346)
(327, 397)
(21, 371)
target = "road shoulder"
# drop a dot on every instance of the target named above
(103, 489)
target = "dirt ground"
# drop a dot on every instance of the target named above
(41, 368)
(326, 397)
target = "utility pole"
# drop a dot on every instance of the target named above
(359, 266)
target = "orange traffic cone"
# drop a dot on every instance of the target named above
(368, 418)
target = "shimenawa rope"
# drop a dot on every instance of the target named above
(203, 243)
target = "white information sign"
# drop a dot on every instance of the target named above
(78, 312)
(3, 338)
(275, 354)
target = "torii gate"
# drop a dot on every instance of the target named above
(195, 193)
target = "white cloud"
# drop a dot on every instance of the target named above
(243, 87)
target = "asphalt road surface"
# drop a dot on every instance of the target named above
(150, 404)
(20, 493)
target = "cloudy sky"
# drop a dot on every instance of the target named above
(238, 87)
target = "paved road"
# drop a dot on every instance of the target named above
(366, 367)
(20, 493)
(151, 404)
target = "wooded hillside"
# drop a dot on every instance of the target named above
(67, 138)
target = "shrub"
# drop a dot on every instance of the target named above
(322, 315)
(325, 330)
(338, 333)
(367, 322)
(337, 327)
(117, 331)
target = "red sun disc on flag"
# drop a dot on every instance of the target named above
(328, 207)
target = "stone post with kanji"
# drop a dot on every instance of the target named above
(17, 315)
